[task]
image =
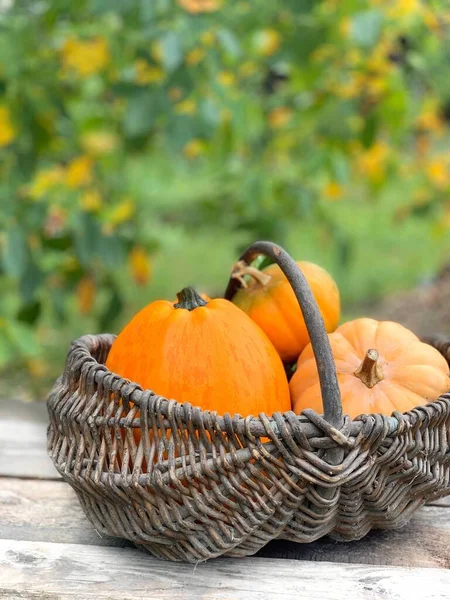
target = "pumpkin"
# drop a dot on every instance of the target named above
(206, 352)
(269, 300)
(381, 367)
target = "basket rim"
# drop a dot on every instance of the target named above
(82, 359)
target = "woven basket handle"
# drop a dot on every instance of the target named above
(331, 396)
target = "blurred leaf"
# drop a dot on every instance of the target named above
(62, 242)
(147, 11)
(340, 167)
(30, 282)
(23, 339)
(172, 54)
(370, 130)
(58, 302)
(111, 6)
(15, 255)
(112, 250)
(87, 234)
(112, 311)
(229, 42)
(366, 28)
(29, 313)
(139, 115)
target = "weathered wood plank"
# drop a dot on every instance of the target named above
(49, 511)
(34, 510)
(23, 450)
(441, 502)
(63, 571)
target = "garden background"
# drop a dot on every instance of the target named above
(144, 143)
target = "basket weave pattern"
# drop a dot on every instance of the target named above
(188, 485)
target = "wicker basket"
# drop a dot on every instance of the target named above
(189, 485)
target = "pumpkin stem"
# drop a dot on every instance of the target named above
(189, 299)
(370, 371)
(241, 268)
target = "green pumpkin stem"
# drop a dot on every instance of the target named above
(189, 299)
(370, 371)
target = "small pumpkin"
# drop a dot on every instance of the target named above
(269, 300)
(206, 352)
(381, 367)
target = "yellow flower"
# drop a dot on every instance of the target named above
(45, 180)
(195, 56)
(404, 8)
(140, 265)
(7, 129)
(345, 27)
(199, 6)
(99, 142)
(91, 201)
(430, 19)
(333, 190)
(186, 107)
(226, 78)
(122, 212)
(79, 172)
(85, 294)
(376, 86)
(372, 162)
(429, 120)
(437, 172)
(85, 57)
(279, 117)
(146, 74)
(194, 148)
(156, 51)
(267, 42)
(352, 88)
(378, 62)
(207, 38)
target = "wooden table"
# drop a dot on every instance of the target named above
(49, 550)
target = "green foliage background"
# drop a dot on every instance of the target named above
(143, 144)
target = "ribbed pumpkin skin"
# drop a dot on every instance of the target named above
(213, 356)
(275, 309)
(414, 373)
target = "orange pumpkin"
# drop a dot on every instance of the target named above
(208, 353)
(269, 300)
(381, 367)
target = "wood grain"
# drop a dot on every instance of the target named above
(23, 450)
(49, 511)
(62, 571)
